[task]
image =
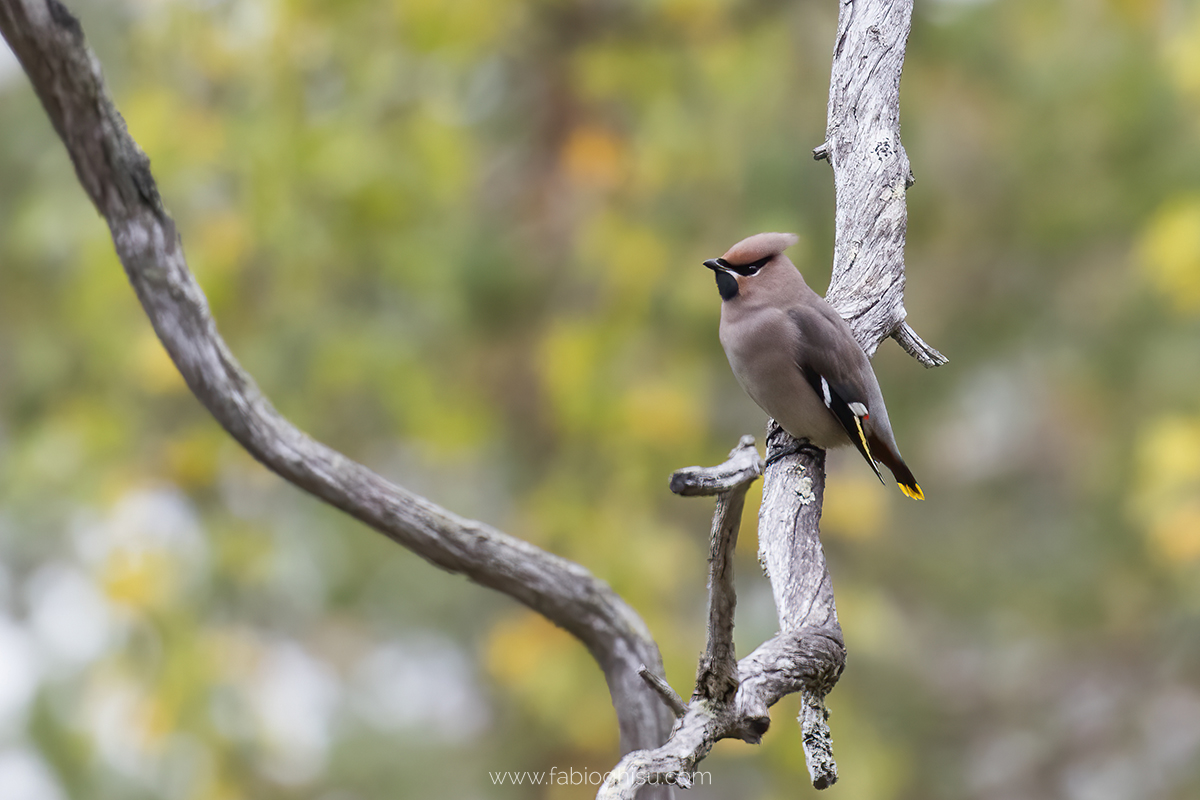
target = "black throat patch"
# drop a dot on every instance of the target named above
(727, 285)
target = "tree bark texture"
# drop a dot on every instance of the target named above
(871, 174)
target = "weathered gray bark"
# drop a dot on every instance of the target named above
(731, 700)
(871, 176)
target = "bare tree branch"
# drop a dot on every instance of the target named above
(716, 677)
(870, 173)
(790, 552)
(743, 466)
(871, 176)
(115, 173)
(668, 695)
(717, 709)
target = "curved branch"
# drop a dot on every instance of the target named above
(115, 173)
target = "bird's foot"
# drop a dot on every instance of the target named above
(797, 446)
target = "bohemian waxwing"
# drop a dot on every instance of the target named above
(796, 357)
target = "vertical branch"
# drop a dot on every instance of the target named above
(717, 709)
(791, 554)
(716, 677)
(871, 174)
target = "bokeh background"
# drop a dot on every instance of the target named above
(460, 240)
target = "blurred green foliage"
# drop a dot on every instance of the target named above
(460, 240)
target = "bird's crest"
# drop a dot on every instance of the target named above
(760, 246)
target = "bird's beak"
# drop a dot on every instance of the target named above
(715, 265)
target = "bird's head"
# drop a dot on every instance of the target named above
(753, 264)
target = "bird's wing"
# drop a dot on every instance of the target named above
(832, 363)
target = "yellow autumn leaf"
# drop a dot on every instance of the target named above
(1168, 455)
(192, 459)
(629, 258)
(1182, 55)
(568, 360)
(154, 720)
(221, 241)
(1176, 533)
(519, 645)
(593, 157)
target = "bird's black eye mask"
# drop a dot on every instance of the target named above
(745, 269)
(726, 283)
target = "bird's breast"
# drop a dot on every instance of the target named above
(761, 349)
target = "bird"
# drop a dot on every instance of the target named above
(797, 359)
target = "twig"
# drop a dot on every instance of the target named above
(916, 347)
(742, 467)
(668, 695)
(716, 676)
(818, 742)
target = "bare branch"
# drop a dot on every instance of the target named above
(742, 467)
(916, 347)
(668, 695)
(871, 175)
(806, 656)
(115, 173)
(801, 661)
(870, 170)
(716, 676)
(790, 552)
(818, 741)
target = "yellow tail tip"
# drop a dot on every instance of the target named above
(913, 491)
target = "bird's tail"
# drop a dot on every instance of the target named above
(892, 460)
(906, 480)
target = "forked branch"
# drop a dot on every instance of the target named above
(871, 176)
(806, 656)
